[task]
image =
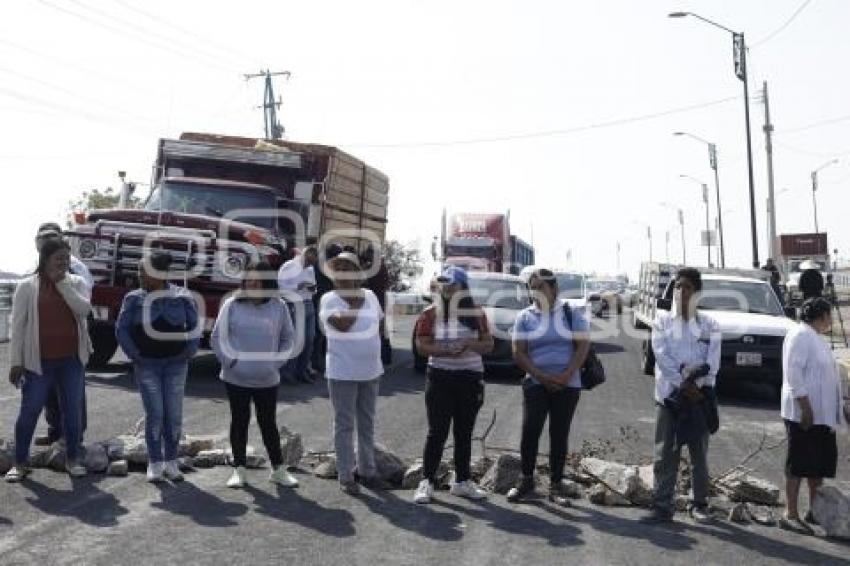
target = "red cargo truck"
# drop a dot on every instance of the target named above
(220, 202)
(483, 242)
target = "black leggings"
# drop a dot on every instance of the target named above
(559, 406)
(265, 400)
(451, 396)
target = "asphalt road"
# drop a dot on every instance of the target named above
(104, 520)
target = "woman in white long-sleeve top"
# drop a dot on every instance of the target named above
(253, 338)
(811, 408)
(49, 348)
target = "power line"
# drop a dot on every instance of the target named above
(818, 124)
(782, 28)
(171, 41)
(226, 49)
(88, 70)
(549, 133)
(129, 32)
(70, 92)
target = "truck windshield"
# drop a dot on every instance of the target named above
(742, 296)
(570, 285)
(210, 200)
(499, 293)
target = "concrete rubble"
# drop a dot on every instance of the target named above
(832, 511)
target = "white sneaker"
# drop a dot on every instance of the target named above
(468, 490)
(281, 476)
(171, 471)
(237, 478)
(75, 469)
(155, 471)
(424, 492)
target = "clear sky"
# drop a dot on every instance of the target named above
(549, 109)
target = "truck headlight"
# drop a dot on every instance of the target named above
(87, 249)
(233, 266)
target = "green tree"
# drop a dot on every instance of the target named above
(403, 264)
(96, 199)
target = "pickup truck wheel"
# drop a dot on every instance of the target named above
(648, 358)
(104, 344)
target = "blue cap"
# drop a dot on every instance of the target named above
(453, 274)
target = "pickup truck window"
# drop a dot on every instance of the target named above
(740, 296)
(570, 285)
(499, 293)
(208, 200)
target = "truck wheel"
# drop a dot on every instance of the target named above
(104, 344)
(420, 363)
(648, 358)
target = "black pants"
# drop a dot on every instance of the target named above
(559, 406)
(265, 401)
(53, 416)
(451, 397)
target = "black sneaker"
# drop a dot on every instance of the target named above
(522, 490)
(810, 518)
(559, 494)
(657, 517)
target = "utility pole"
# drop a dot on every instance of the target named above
(649, 237)
(771, 198)
(273, 128)
(667, 245)
(618, 257)
(707, 223)
(682, 225)
(739, 49)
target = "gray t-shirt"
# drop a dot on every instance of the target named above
(252, 341)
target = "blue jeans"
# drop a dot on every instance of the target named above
(666, 466)
(67, 376)
(161, 384)
(297, 366)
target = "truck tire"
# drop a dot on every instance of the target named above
(104, 344)
(420, 363)
(648, 358)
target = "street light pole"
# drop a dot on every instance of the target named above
(712, 162)
(682, 224)
(739, 48)
(815, 188)
(707, 214)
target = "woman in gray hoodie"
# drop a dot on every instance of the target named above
(253, 338)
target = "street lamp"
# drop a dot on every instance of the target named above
(739, 57)
(815, 188)
(707, 221)
(712, 162)
(681, 225)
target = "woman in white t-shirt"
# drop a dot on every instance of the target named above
(453, 334)
(351, 318)
(811, 408)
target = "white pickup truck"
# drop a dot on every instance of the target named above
(751, 318)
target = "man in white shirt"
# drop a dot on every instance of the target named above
(52, 413)
(687, 353)
(297, 283)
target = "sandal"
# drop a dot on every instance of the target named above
(795, 526)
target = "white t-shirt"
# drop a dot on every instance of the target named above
(809, 370)
(354, 355)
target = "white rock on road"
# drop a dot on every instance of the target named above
(749, 489)
(831, 509)
(118, 468)
(292, 447)
(629, 483)
(503, 475)
(95, 458)
(128, 447)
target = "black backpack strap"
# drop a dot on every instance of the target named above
(568, 315)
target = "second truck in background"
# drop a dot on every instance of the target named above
(483, 242)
